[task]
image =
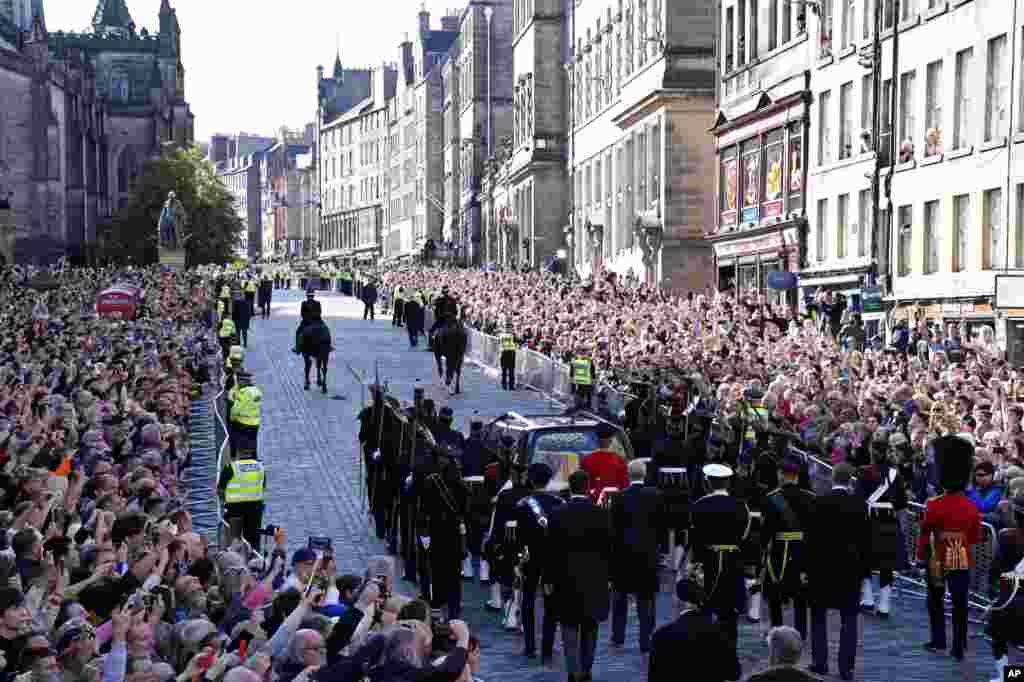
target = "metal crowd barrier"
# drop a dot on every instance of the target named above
(539, 372)
(910, 523)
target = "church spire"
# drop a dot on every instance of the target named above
(339, 72)
(112, 14)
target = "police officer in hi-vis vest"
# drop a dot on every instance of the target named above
(582, 377)
(241, 487)
(508, 358)
(244, 416)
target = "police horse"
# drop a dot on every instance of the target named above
(315, 346)
(451, 342)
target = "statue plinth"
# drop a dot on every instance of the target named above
(172, 258)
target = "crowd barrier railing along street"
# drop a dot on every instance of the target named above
(910, 524)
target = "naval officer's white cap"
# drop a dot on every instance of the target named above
(717, 471)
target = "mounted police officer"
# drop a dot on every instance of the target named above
(532, 513)
(720, 523)
(310, 311)
(882, 486)
(445, 308)
(787, 515)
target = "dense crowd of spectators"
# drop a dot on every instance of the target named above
(102, 576)
(816, 371)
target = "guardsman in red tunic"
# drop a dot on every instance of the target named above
(951, 525)
(605, 467)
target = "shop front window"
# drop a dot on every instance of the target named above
(750, 157)
(746, 278)
(728, 183)
(795, 168)
(772, 193)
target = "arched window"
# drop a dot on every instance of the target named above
(120, 86)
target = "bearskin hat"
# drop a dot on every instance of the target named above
(954, 460)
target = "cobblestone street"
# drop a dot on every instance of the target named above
(308, 441)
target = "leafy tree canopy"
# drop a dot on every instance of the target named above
(212, 226)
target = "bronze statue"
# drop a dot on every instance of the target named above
(171, 217)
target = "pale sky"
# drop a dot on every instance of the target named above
(250, 65)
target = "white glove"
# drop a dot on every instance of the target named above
(425, 539)
(375, 455)
(408, 481)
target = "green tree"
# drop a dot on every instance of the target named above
(212, 225)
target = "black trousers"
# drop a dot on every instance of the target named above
(847, 635)
(729, 621)
(957, 582)
(243, 334)
(800, 609)
(398, 313)
(644, 612)
(368, 310)
(1006, 630)
(579, 642)
(508, 370)
(251, 516)
(445, 579)
(531, 581)
(584, 395)
(414, 336)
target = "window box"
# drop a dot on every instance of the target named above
(909, 165)
(995, 143)
(825, 60)
(1019, 137)
(936, 11)
(957, 3)
(847, 51)
(929, 160)
(963, 151)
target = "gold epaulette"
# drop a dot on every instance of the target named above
(935, 498)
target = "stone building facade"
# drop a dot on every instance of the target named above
(415, 200)
(530, 229)
(643, 75)
(354, 173)
(54, 142)
(142, 77)
(478, 114)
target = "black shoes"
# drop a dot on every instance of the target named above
(934, 648)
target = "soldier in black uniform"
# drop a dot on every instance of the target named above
(532, 513)
(787, 513)
(882, 486)
(448, 438)
(377, 426)
(474, 462)
(501, 544)
(719, 525)
(443, 511)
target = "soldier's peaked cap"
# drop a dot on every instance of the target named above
(717, 471)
